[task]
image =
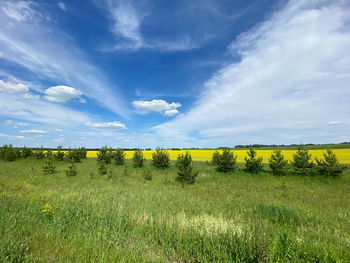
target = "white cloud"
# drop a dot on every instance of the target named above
(30, 96)
(15, 124)
(50, 54)
(62, 6)
(171, 112)
(13, 87)
(61, 93)
(337, 123)
(20, 11)
(34, 131)
(107, 125)
(127, 22)
(159, 106)
(291, 79)
(12, 136)
(58, 130)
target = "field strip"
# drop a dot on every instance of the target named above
(205, 155)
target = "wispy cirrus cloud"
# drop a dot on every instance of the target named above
(127, 21)
(34, 131)
(290, 81)
(49, 53)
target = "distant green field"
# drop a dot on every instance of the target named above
(120, 217)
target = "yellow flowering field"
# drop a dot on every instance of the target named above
(205, 155)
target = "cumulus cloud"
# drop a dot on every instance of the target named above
(34, 131)
(13, 87)
(159, 106)
(291, 79)
(107, 125)
(61, 93)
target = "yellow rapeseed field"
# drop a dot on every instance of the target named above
(205, 155)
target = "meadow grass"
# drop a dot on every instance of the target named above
(120, 217)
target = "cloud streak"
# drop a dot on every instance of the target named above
(290, 82)
(49, 53)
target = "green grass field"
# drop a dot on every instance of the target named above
(120, 217)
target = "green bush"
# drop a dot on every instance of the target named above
(72, 170)
(185, 173)
(27, 152)
(8, 153)
(329, 165)
(119, 157)
(160, 159)
(147, 175)
(39, 153)
(59, 155)
(82, 152)
(49, 167)
(302, 162)
(215, 158)
(253, 164)
(104, 155)
(102, 168)
(225, 162)
(74, 155)
(278, 164)
(138, 158)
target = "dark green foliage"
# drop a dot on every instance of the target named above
(329, 165)
(49, 167)
(102, 168)
(74, 155)
(215, 159)
(283, 247)
(104, 155)
(302, 162)
(8, 153)
(147, 175)
(59, 156)
(253, 164)
(119, 157)
(138, 158)
(160, 158)
(27, 152)
(185, 173)
(278, 215)
(278, 164)
(49, 154)
(72, 170)
(225, 162)
(82, 152)
(39, 154)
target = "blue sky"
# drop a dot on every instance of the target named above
(174, 73)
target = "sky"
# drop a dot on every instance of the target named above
(143, 73)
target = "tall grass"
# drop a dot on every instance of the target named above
(235, 217)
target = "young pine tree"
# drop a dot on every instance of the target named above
(278, 164)
(253, 164)
(119, 157)
(185, 173)
(302, 162)
(225, 162)
(49, 166)
(72, 169)
(104, 155)
(59, 156)
(138, 158)
(329, 165)
(160, 158)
